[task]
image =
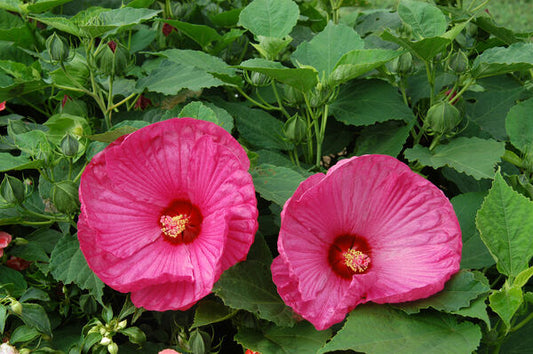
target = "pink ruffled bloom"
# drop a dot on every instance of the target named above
(368, 230)
(165, 210)
(5, 239)
(169, 351)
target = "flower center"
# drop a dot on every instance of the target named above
(180, 222)
(356, 260)
(349, 255)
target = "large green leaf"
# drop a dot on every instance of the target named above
(209, 113)
(459, 291)
(275, 183)
(506, 301)
(9, 162)
(501, 60)
(505, 221)
(377, 329)
(35, 316)
(13, 28)
(116, 20)
(303, 79)
(17, 79)
(475, 254)
(385, 138)
(302, 338)
(270, 18)
(358, 62)
(170, 78)
(209, 311)
(477, 309)
(519, 125)
(201, 34)
(425, 20)
(68, 265)
(367, 102)
(474, 156)
(489, 107)
(44, 5)
(12, 282)
(249, 286)
(325, 49)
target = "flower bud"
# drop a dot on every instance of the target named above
(57, 47)
(403, 64)
(443, 117)
(112, 348)
(200, 342)
(320, 96)
(12, 190)
(6, 348)
(105, 341)
(295, 129)
(122, 324)
(257, 79)
(292, 96)
(458, 62)
(70, 145)
(112, 58)
(16, 307)
(65, 197)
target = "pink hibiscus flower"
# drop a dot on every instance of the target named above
(5, 239)
(165, 210)
(368, 230)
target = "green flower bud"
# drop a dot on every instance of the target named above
(122, 324)
(292, 96)
(112, 58)
(257, 79)
(70, 145)
(295, 129)
(458, 62)
(112, 348)
(200, 342)
(320, 96)
(443, 117)
(57, 47)
(16, 307)
(12, 190)
(65, 196)
(105, 341)
(25, 350)
(403, 64)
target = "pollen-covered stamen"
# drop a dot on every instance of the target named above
(173, 226)
(356, 260)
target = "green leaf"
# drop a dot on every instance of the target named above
(13, 29)
(385, 138)
(474, 156)
(61, 124)
(270, 18)
(325, 49)
(113, 21)
(489, 107)
(17, 79)
(13, 5)
(44, 5)
(302, 338)
(257, 127)
(303, 79)
(68, 265)
(505, 221)
(368, 102)
(501, 60)
(477, 309)
(248, 286)
(201, 111)
(135, 335)
(225, 120)
(475, 254)
(35, 316)
(275, 183)
(519, 341)
(519, 125)
(377, 328)
(522, 278)
(458, 293)
(505, 34)
(12, 282)
(3, 317)
(358, 62)
(208, 312)
(23, 333)
(170, 78)
(201, 34)
(112, 135)
(425, 20)
(505, 302)
(9, 162)
(34, 294)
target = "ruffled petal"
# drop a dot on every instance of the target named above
(169, 296)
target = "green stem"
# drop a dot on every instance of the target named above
(69, 168)
(40, 215)
(278, 99)
(123, 101)
(431, 80)
(513, 158)
(460, 93)
(109, 111)
(522, 323)
(269, 108)
(33, 106)
(435, 142)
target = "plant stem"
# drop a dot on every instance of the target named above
(258, 104)
(278, 99)
(522, 323)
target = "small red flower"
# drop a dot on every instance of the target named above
(167, 29)
(248, 351)
(112, 45)
(5, 239)
(142, 103)
(64, 100)
(17, 263)
(2, 105)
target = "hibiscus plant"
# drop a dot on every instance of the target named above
(270, 176)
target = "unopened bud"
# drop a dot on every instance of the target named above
(295, 129)
(112, 58)
(458, 62)
(69, 145)
(105, 341)
(65, 196)
(12, 190)
(57, 47)
(122, 324)
(403, 64)
(16, 307)
(257, 79)
(200, 342)
(292, 95)
(112, 348)
(443, 117)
